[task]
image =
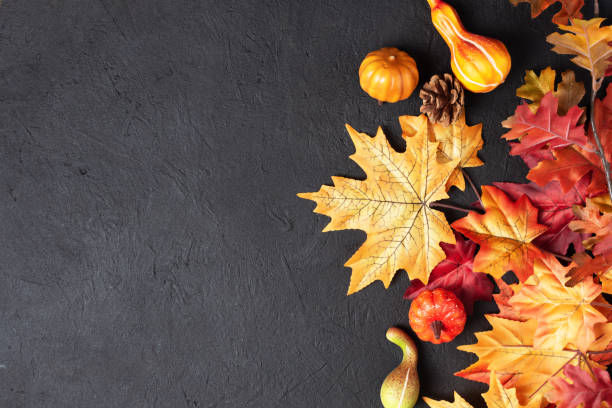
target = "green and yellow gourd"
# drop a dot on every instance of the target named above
(401, 387)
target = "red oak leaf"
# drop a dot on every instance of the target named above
(554, 211)
(502, 299)
(572, 163)
(592, 221)
(544, 129)
(583, 389)
(455, 273)
(532, 159)
(601, 265)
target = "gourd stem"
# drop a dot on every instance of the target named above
(436, 327)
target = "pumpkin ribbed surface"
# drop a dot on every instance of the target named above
(388, 75)
(437, 316)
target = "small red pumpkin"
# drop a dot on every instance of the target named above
(437, 316)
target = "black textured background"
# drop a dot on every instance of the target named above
(153, 251)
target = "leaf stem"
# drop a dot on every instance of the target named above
(596, 8)
(599, 352)
(600, 150)
(451, 207)
(471, 183)
(586, 362)
(562, 257)
(600, 304)
(554, 374)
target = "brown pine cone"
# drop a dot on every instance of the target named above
(443, 99)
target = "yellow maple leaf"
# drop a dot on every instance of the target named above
(496, 397)
(458, 403)
(569, 92)
(392, 206)
(458, 142)
(588, 41)
(509, 349)
(500, 397)
(504, 232)
(565, 316)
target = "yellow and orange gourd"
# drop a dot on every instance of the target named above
(480, 63)
(388, 75)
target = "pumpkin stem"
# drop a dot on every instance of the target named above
(436, 327)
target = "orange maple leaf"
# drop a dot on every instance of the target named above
(392, 205)
(504, 232)
(564, 315)
(509, 349)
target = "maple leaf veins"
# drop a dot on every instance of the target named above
(392, 206)
(504, 232)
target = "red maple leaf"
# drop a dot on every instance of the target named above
(543, 130)
(456, 274)
(554, 211)
(590, 391)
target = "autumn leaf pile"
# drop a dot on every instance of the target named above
(552, 338)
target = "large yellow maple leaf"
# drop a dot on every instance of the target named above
(588, 41)
(496, 397)
(504, 232)
(509, 350)
(565, 316)
(392, 206)
(458, 142)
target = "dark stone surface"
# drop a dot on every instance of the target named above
(154, 252)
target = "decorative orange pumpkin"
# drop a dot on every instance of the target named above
(480, 63)
(437, 316)
(388, 74)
